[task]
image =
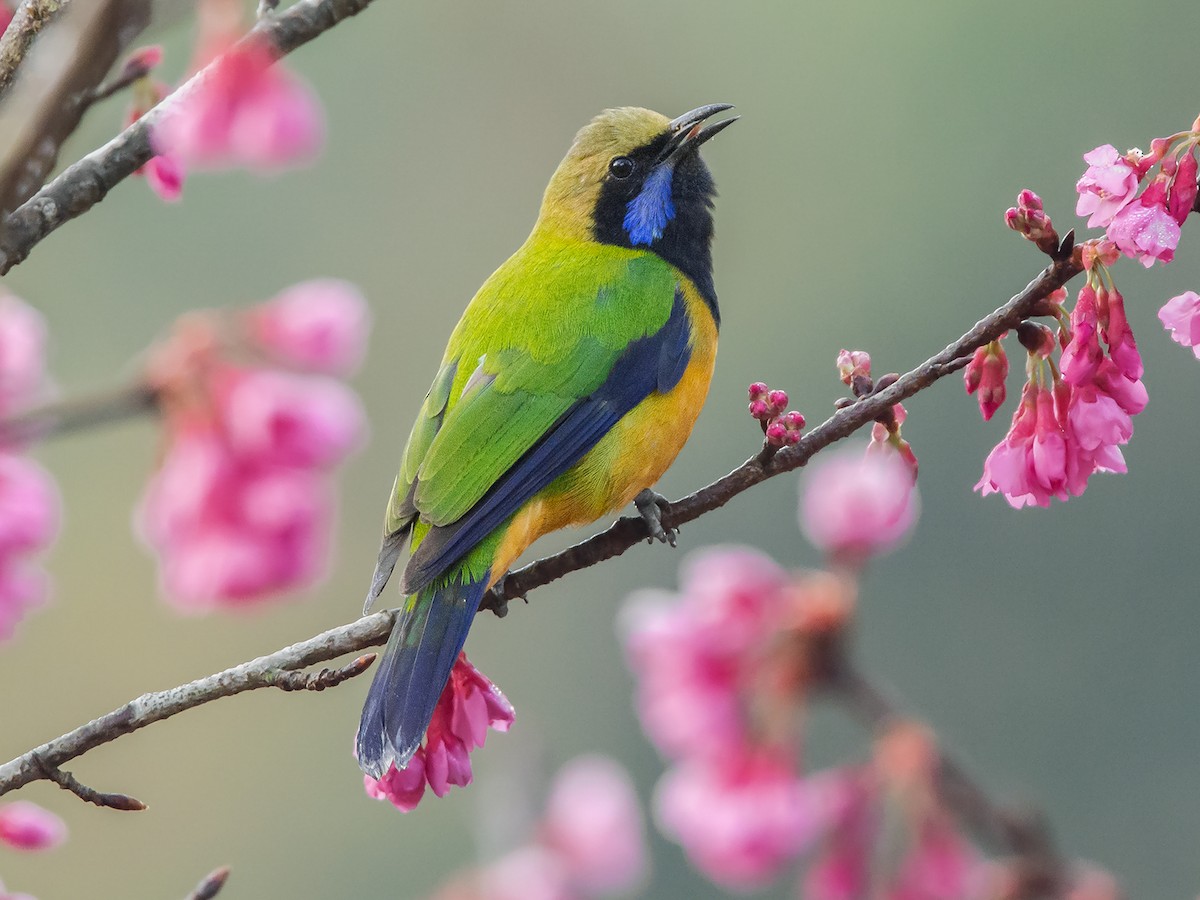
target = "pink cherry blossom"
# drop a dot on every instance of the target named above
(29, 521)
(164, 173)
(1182, 197)
(986, 374)
(853, 364)
(291, 420)
(1181, 316)
(1082, 355)
(469, 705)
(1109, 183)
(528, 873)
(244, 111)
(855, 506)
(26, 826)
(22, 353)
(1122, 348)
(319, 326)
(1145, 230)
(693, 652)
(593, 822)
(1030, 465)
(740, 819)
(6, 16)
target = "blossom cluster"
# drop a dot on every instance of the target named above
(240, 507)
(781, 429)
(468, 706)
(29, 503)
(243, 110)
(723, 671)
(589, 842)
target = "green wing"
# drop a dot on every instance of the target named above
(541, 334)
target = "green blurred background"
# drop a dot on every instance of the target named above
(1055, 651)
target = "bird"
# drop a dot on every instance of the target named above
(568, 387)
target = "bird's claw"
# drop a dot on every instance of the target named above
(650, 506)
(500, 592)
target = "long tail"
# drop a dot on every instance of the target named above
(425, 642)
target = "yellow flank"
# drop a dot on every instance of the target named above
(632, 456)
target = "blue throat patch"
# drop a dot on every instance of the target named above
(647, 214)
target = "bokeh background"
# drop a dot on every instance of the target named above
(1055, 651)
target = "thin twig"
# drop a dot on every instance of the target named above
(28, 19)
(211, 885)
(1041, 870)
(69, 782)
(373, 630)
(326, 678)
(87, 182)
(77, 413)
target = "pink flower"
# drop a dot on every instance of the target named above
(244, 111)
(1082, 355)
(1182, 197)
(26, 826)
(986, 374)
(29, 519)
(1109, 183)
(469, 705)
(22, 353)
(1122, 348)
(1146, 230)
(593, 822)
(6, 16)
(528, 873)
(165, 176)
(693, 653)
(309, 422)
(856, 506)
(853, 364)
(1181, 316)
(319, 326)
(164, 173)
(1030, 464)
(740, 819)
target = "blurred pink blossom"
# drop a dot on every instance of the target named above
(593, 822)
(245, 110)
(164, 173)
(6, 894)
(22, 353)
(1181, 316)
(693, 652)
(1109, 183)
(26, 826)
(319, 326)
(529, 873)
(469, 705)
(854, 506)
(740, 819)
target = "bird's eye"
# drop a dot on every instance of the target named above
(622, 167)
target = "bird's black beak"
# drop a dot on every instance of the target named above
(686, 133)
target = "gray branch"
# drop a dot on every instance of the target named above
(84, 184)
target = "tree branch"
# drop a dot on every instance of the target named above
(373, 630)
(84, 184)
(258, 673)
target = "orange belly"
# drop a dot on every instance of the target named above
(631, 457)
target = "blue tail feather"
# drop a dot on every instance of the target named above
(425, 642)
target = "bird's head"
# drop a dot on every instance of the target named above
(634, 178)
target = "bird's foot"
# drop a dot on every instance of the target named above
(650, 506)
(500, 592)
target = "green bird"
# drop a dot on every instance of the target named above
(568, 387)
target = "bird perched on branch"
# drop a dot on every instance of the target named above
(567, 389)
